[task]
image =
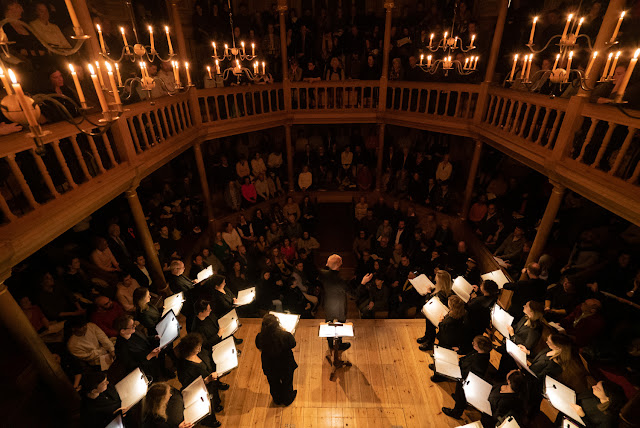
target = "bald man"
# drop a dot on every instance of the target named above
(335, 295)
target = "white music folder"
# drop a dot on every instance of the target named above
(447, 362)
(562, 398)
(509, 422)
(336, 330)
(519, 355)
(422, 284)
(132, 388)
(462, 288)
(197, 404)
(246, 296)
(476, 424)
(168, 329)
(477, 391)
(498, 276)
(434, 310)
(225, 356)
(205, 273)
(289, 322)
(501, 319)
(229, 323)
(116, 423)
(173, 303)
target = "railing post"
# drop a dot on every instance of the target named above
(204, 183)
(481, 104)
(123, 141)
(194, 107)
(386, 50)
(497, 38)
(289, 143)
(473, 170)
(151, 255)
(570, 124)
(380, 156)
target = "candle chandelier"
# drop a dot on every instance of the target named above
(561, 73)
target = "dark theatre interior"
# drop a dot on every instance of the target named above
(320, 213)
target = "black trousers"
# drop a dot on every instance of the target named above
(429, 331)
(460, 398)
(281, 386)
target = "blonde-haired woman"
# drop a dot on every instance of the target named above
(155, 408)
(442, 291)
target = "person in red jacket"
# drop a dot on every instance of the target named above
(106, 312)
(249, 191)
(585, 323)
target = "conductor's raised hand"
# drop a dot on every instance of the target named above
(366, 278)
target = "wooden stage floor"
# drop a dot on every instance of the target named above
(387, 386)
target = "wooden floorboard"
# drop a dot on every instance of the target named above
(388, 385)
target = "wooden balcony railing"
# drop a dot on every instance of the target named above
(433, 99)
(239, 102)
(360, 95)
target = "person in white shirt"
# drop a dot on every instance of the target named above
(47, 31)
(305, 179)
(166, 75)
(444, 169)
(346, 159)
(89, 343)
(274, 161)
(262, 187)
(231, 237)
(257, 165)
(124, 293)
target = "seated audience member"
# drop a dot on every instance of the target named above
(89, 343)
(274, 234)
(100, 400)
(197, 265)
(532, 289)
(560, 299)
(294, 300)
(119, 246)
(584, 254)
(291, 208)
(220, 248)
(288, 250)
(146, 314)
(212, 260)
(193, 362)
(156, 410)
(140, 272)
(601, 407)
(248, 190)
(476, 362)
(134, 349)
(262, 188)
(585, 323)
(305, 179)
(444, 169)
(361, 209)
(376, 296)
(293, 231)
(478, 210)
(231, 237)
(34, 314)
(105, 314)
(77, 280)
(479, 307)
(124, 291)
(180, 283)
(512, 245)
(56, 302)
(257, 165)
(307, 243)
(361, 243)
(105, 261)
(245, 230)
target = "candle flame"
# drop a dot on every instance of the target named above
(122, 30)
(166, 29)
(71, 68)
(610, 55)
(116, 64)
(618, 54)
(98, 27)
(581, 20)
(186, 64)
(150, 29)
(535, 19)
(12, 76)
(622, 14)
(91, 70)
(570, 17)
(516, 57)
(213, 44)
(208, 68)
(106, 64)
(595, 54)
(635, 55)
(571, 54)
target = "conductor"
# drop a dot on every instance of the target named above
(335, 296)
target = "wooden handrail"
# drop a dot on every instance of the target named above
(559, 104)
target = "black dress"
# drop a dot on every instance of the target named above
(132, 353)
(451, 332)
(222, 303)
(278, 364)
(188, 371)
(98, 412)
(208, 329)
(149, 318)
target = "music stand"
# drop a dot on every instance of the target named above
(336, 330)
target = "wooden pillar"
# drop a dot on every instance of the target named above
(91, 46)
(36, 352)
(609, 22)
(473, 171)
(282, 10)
(287, 134)
(153, 263)
(544, 229)
(386, 50)
(380, 157)
(204, 183)
(177, 30)
(497, 38)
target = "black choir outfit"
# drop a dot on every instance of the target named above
(278, 364)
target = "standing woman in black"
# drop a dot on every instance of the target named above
(158, 413)
(278, 363)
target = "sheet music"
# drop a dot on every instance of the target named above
(168, 329)
(173, 303)
(434, 310)
(498, 276)
(132, 388)
(446, 362)
(477, 392)
(462, 288)
(422, 284)
(289, 322)
(567, 423)
(205, 273)
(344, 330)
(501, 262)
(500, 319)
(116, 423)
(196, 401)
(225, 356)
(509, 422)
(561, 397)
(476, 424)
(246, 296)
(519, 355)
(229, 323)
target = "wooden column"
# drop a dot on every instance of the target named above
(380, 156)
(544, 228)
(91, 46)
(36, 352)
(607, 27)
(153, 263)
(204, 183)
(177, 31)
(386, 50)
(497, 38)
(282, 10)
(287, 134)
(473, 171)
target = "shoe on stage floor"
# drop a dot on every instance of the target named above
(237, 341)
(345, 346)
(422, 339)
(449, 412)
(426, 347)
(222, 386)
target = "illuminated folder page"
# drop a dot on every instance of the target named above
(168, 329)
(173, 303)
(225, 356)
(132, 388)
(498, 276)
(246, 296)
(289, 322)
(477, 392)
(205, 273)
(342, 330)
(501, 319)
(196, 401)
(519, 355)
(229, 323)
(422, 284)
(446, 362)
(116, 423)
(462, 288)
(562, 398)
(434, 310)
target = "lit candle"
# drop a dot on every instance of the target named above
(118, 74)
(112, 80)
(217, 67)
(99, 73)
(524, 66)
(124, 39)
(176, 73)
(5, 82)
(615, 32)
(566, 27)
(209, 72)
(428, 60)
(255, 67)
(226, 49)
(445, 37)
(555, 64)
(96, 84)
(431, 39)
(533, 29)
(215, 50)
(529, 68)
(475, 62)
(421, 58)
(74, 76)
(613, 65)
(466, 63)
(27, 108)
(242, 44)
(104, 50)
(590, 65)
(72, 14)
(627, 76)
(238, 65)
(153, 45)
(579, 25)
(513, 67)
(142, 70)
(166, 30)
(253, 49)
(566, 77)
(606, 67)
(264, 67)
(473, 38)
(186, 66)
